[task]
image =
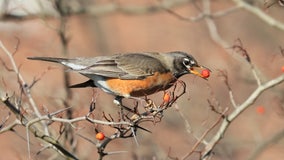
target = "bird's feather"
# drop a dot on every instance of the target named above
(123, 66)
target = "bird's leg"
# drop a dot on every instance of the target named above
(118, 101)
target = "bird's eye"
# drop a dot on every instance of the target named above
(186, 62)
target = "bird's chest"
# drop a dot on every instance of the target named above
(137, 88)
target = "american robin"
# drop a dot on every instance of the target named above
(131, 74)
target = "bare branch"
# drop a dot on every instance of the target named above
(202, 15)
(34, 130)
(239, 49)
(10, 126)
(74, 120)
(224, 74)
(104, 9)
(22, 81)
(260, 14)
(201, 139)
(186, 122)
(242, 107)
(4, 120)
(6, 66)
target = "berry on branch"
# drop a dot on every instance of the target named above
(100, 136)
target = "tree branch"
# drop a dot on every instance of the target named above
(103, 10)
(259, 13)
(226, 122)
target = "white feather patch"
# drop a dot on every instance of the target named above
(73, 66)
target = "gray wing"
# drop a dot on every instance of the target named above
(126, 66)
(123, 66)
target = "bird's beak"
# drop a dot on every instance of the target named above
(199, 71)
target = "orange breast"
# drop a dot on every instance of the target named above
(137, 88)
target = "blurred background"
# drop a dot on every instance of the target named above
(90, 28)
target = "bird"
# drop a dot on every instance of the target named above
(126, 75)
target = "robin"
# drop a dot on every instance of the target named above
(131, 74)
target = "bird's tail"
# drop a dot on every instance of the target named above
(49, 59)
(89, 83)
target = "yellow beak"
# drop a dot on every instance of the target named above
(197, 70)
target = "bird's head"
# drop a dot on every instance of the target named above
(184, 63)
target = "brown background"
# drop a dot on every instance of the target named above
(161, 32)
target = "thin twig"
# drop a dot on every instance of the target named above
(188, 127)
(260, 14)
(10, 126)
(23, 120)
(226, 122)
(23, 84)
(103, 10)
(224, 74)
(201, 139)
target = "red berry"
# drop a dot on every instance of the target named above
(166, 97)
(260, 110)
(100, 136)
(205, 73)
(282, 68)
